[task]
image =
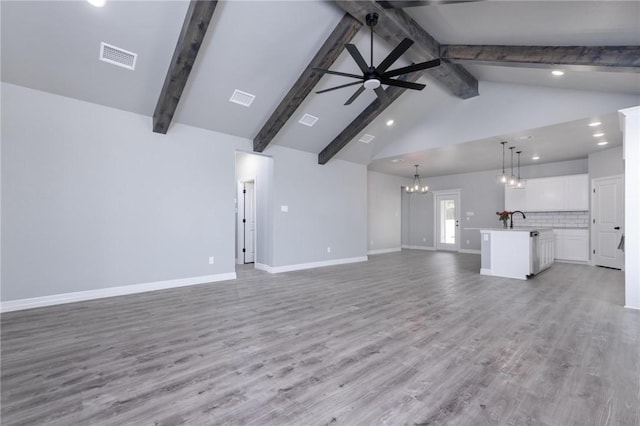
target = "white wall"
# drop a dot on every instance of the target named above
(630, 123)
(384, 212)
(92, 198)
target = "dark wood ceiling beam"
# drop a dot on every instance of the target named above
(394, 25)
(590, 58)
(401, 4)
(370, 113)
(191, 36)
(342, 34)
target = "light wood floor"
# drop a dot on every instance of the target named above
(417, 338)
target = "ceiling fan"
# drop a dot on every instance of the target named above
(373, 77)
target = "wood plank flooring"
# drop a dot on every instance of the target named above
(410, 338)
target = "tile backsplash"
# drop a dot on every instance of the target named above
(577, 219)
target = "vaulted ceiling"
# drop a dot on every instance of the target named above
(266, 48)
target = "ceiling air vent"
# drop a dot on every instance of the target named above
(308, 120)
(366, 138)
(116, 56)
(242, 98)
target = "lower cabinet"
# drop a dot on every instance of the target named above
(572, 245)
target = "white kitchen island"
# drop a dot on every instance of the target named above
(516, 253)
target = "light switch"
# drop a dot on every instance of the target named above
(284, 208)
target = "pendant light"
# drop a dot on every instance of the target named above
(512, 178)
(520, 183)
(503, 177)
(417, 185)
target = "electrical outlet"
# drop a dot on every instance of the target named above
(371, 242)
(424, 239)
(467, 242)
(211, 260)
(328, 249)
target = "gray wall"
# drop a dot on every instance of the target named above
(384, 220)
(606, 163)
(418, 216)
(327, 208)
(92, 198)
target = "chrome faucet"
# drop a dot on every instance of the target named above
(511, 217)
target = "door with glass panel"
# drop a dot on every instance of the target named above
(447, 232)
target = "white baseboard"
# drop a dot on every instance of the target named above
(485, 271)
(383, 251)
(78, 296)
(469, 251)
(635, 308)
(419, 248)
(300, 266)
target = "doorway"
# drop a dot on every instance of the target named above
(447, 220)
(607, 222)
(246, 222)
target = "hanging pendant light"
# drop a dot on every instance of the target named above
(512, 178)
(503, 179)
(417, 185)
(520, 183)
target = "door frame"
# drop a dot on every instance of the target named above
(436, 194)
(239, 226)
(592, 202)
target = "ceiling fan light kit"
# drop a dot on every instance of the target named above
(374, 77)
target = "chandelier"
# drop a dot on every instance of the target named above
(417, 185)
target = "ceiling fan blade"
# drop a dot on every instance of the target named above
(394, 55)
(355, 95)
(344, 74)
(355, 54)
(412, 68)
(402, 83)
(339, 87)
(381, 94)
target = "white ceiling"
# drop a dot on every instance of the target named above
(261, 47)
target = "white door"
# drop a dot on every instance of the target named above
(607, 206)
(447, 232)
(246, 222)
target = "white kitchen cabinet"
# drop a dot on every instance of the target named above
(577, 192)
(552, 194)
(572, 245)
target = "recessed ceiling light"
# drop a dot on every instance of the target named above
(366, 138)
(595, 123)
(535, 157)
(602, 143)
(97, 3)
(397, 160)
(557, 73)
(390, 122)
(597, 135)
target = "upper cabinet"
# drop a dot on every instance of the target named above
(559, 193)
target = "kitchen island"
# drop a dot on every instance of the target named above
(516, 252)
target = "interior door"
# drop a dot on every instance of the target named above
(249, 222)
(607, 206)
(447, 216)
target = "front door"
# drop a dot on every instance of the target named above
(607, 222)
(447, 232)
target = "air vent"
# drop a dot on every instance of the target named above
(242, 98)
(308, 120)
(366, 138)
(116, 56)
